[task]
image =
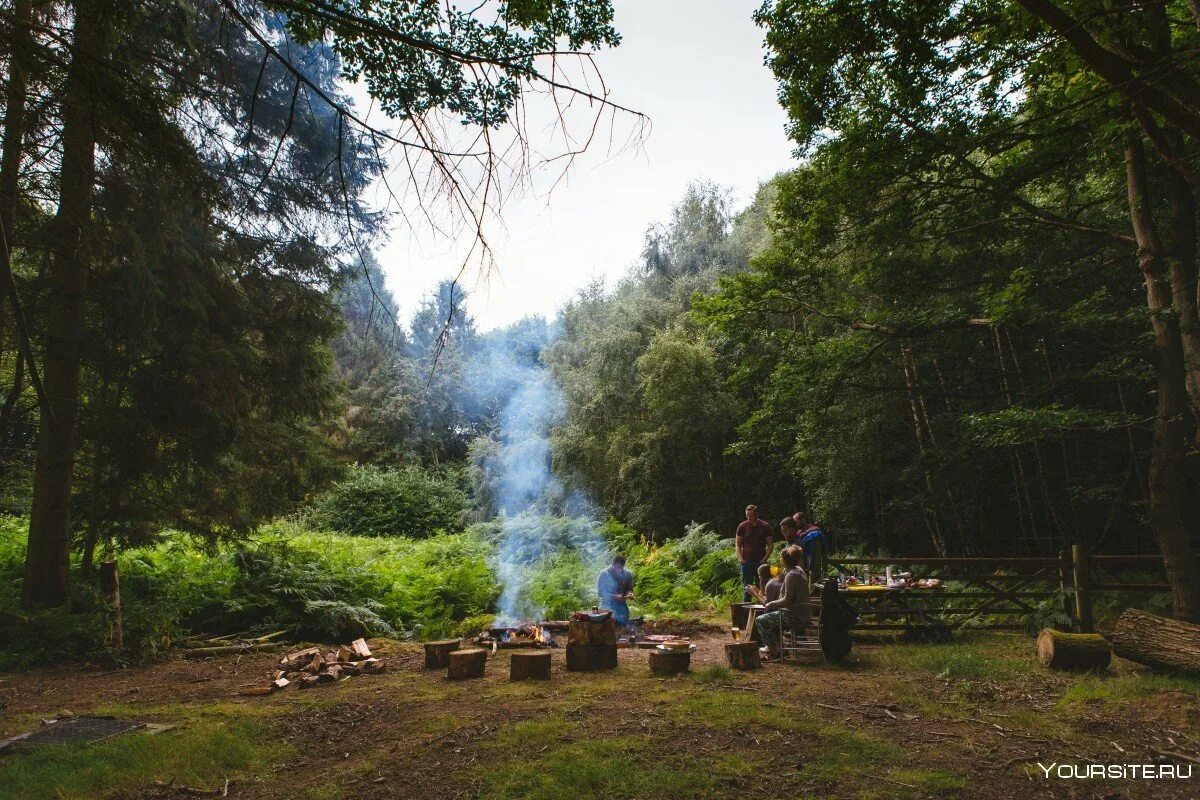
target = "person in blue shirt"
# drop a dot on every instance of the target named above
(812, 539)
(615, 587)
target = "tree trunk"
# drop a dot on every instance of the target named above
(530, 666)
(1172, 421)
(1077, 652)
(1156, 641)
(47, 559)
(743, 655)
(467, 664)
(437, 654)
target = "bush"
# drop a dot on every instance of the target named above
(403, 502)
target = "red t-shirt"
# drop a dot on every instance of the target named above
(754, 538)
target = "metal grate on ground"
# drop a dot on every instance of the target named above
(76, 730)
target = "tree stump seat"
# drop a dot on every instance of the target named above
(743, 655)
(465, 664)
(670, 662)
(534, 665)
(437, 654)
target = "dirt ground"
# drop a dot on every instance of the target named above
(882, 725)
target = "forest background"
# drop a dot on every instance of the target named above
(944, 332)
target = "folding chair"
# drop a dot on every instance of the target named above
(794, 641)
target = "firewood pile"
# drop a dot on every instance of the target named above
(310, 666)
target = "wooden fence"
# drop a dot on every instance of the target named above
(988, 592)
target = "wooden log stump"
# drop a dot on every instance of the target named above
(743, 655)
(591, 657)
(527, 666)
(1076, 652)
(464, 664)
(580, 631)
(437, 654)
(1158, 642)
(670, 662)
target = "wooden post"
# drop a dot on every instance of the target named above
(1066, 582)
(110, 593)
(530, 665)
(1083, 597)
(466, 664)
(437, 654)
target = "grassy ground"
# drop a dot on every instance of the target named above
(899, 721)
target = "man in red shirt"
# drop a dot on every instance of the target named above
(753, 543)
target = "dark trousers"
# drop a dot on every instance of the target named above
(749, 577)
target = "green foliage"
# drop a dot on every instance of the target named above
(410, 501)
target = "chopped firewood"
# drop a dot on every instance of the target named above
(307, 681)
(314, 666)
(327, 677)
(345, 655)
(250, 691)
(360, 649)
(300, 657)
(335, 670)
(352, 668)
(373, 665)
(332, 657)
(280, 683)
(280, 673)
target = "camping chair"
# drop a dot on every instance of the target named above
(794, 641)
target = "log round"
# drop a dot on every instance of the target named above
(1155, 641)
(526, 666)
(591, 657)
(743, 655)
(1076, 652)
(466, 664)
(581, 631)
(668, 662)
(437, 654)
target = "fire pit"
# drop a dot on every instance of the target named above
(527, 634)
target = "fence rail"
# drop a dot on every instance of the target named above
(995, 589)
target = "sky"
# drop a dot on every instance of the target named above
(695, 68)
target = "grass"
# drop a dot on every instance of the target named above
(981, 657)
(202, 754)
(1126, 688)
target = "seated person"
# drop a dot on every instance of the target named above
(615, 587)
(791, 608)
(768, 587)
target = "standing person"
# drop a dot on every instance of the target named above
(789, 531)
(615, 587)
(812, 539)
(753, 543)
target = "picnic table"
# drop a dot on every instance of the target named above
(913, 604)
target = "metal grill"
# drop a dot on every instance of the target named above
(77, 730)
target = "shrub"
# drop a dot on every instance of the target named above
(402, 502)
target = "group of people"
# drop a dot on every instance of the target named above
(783, 594)
(786, 596)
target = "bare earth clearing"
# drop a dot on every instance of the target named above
(969, 719)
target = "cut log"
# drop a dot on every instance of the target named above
(331, 657)
(466, 664)
(333, 670)
(581, 631)
(373, 665)
(360, 649)
(743, 655)
(307, 681)
(345, 655)
(670, 662)
(1076, 652)
(591, 657)
(437, 654)
(526, 666)
(299, 659)
(1158, 642)
(280, 683)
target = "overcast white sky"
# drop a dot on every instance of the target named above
(695, 67)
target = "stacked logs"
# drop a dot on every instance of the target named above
(310, 666)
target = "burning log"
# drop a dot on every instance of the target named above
(526, 666)
(464, 664)
(437, 654)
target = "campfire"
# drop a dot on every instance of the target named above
(526, 634)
